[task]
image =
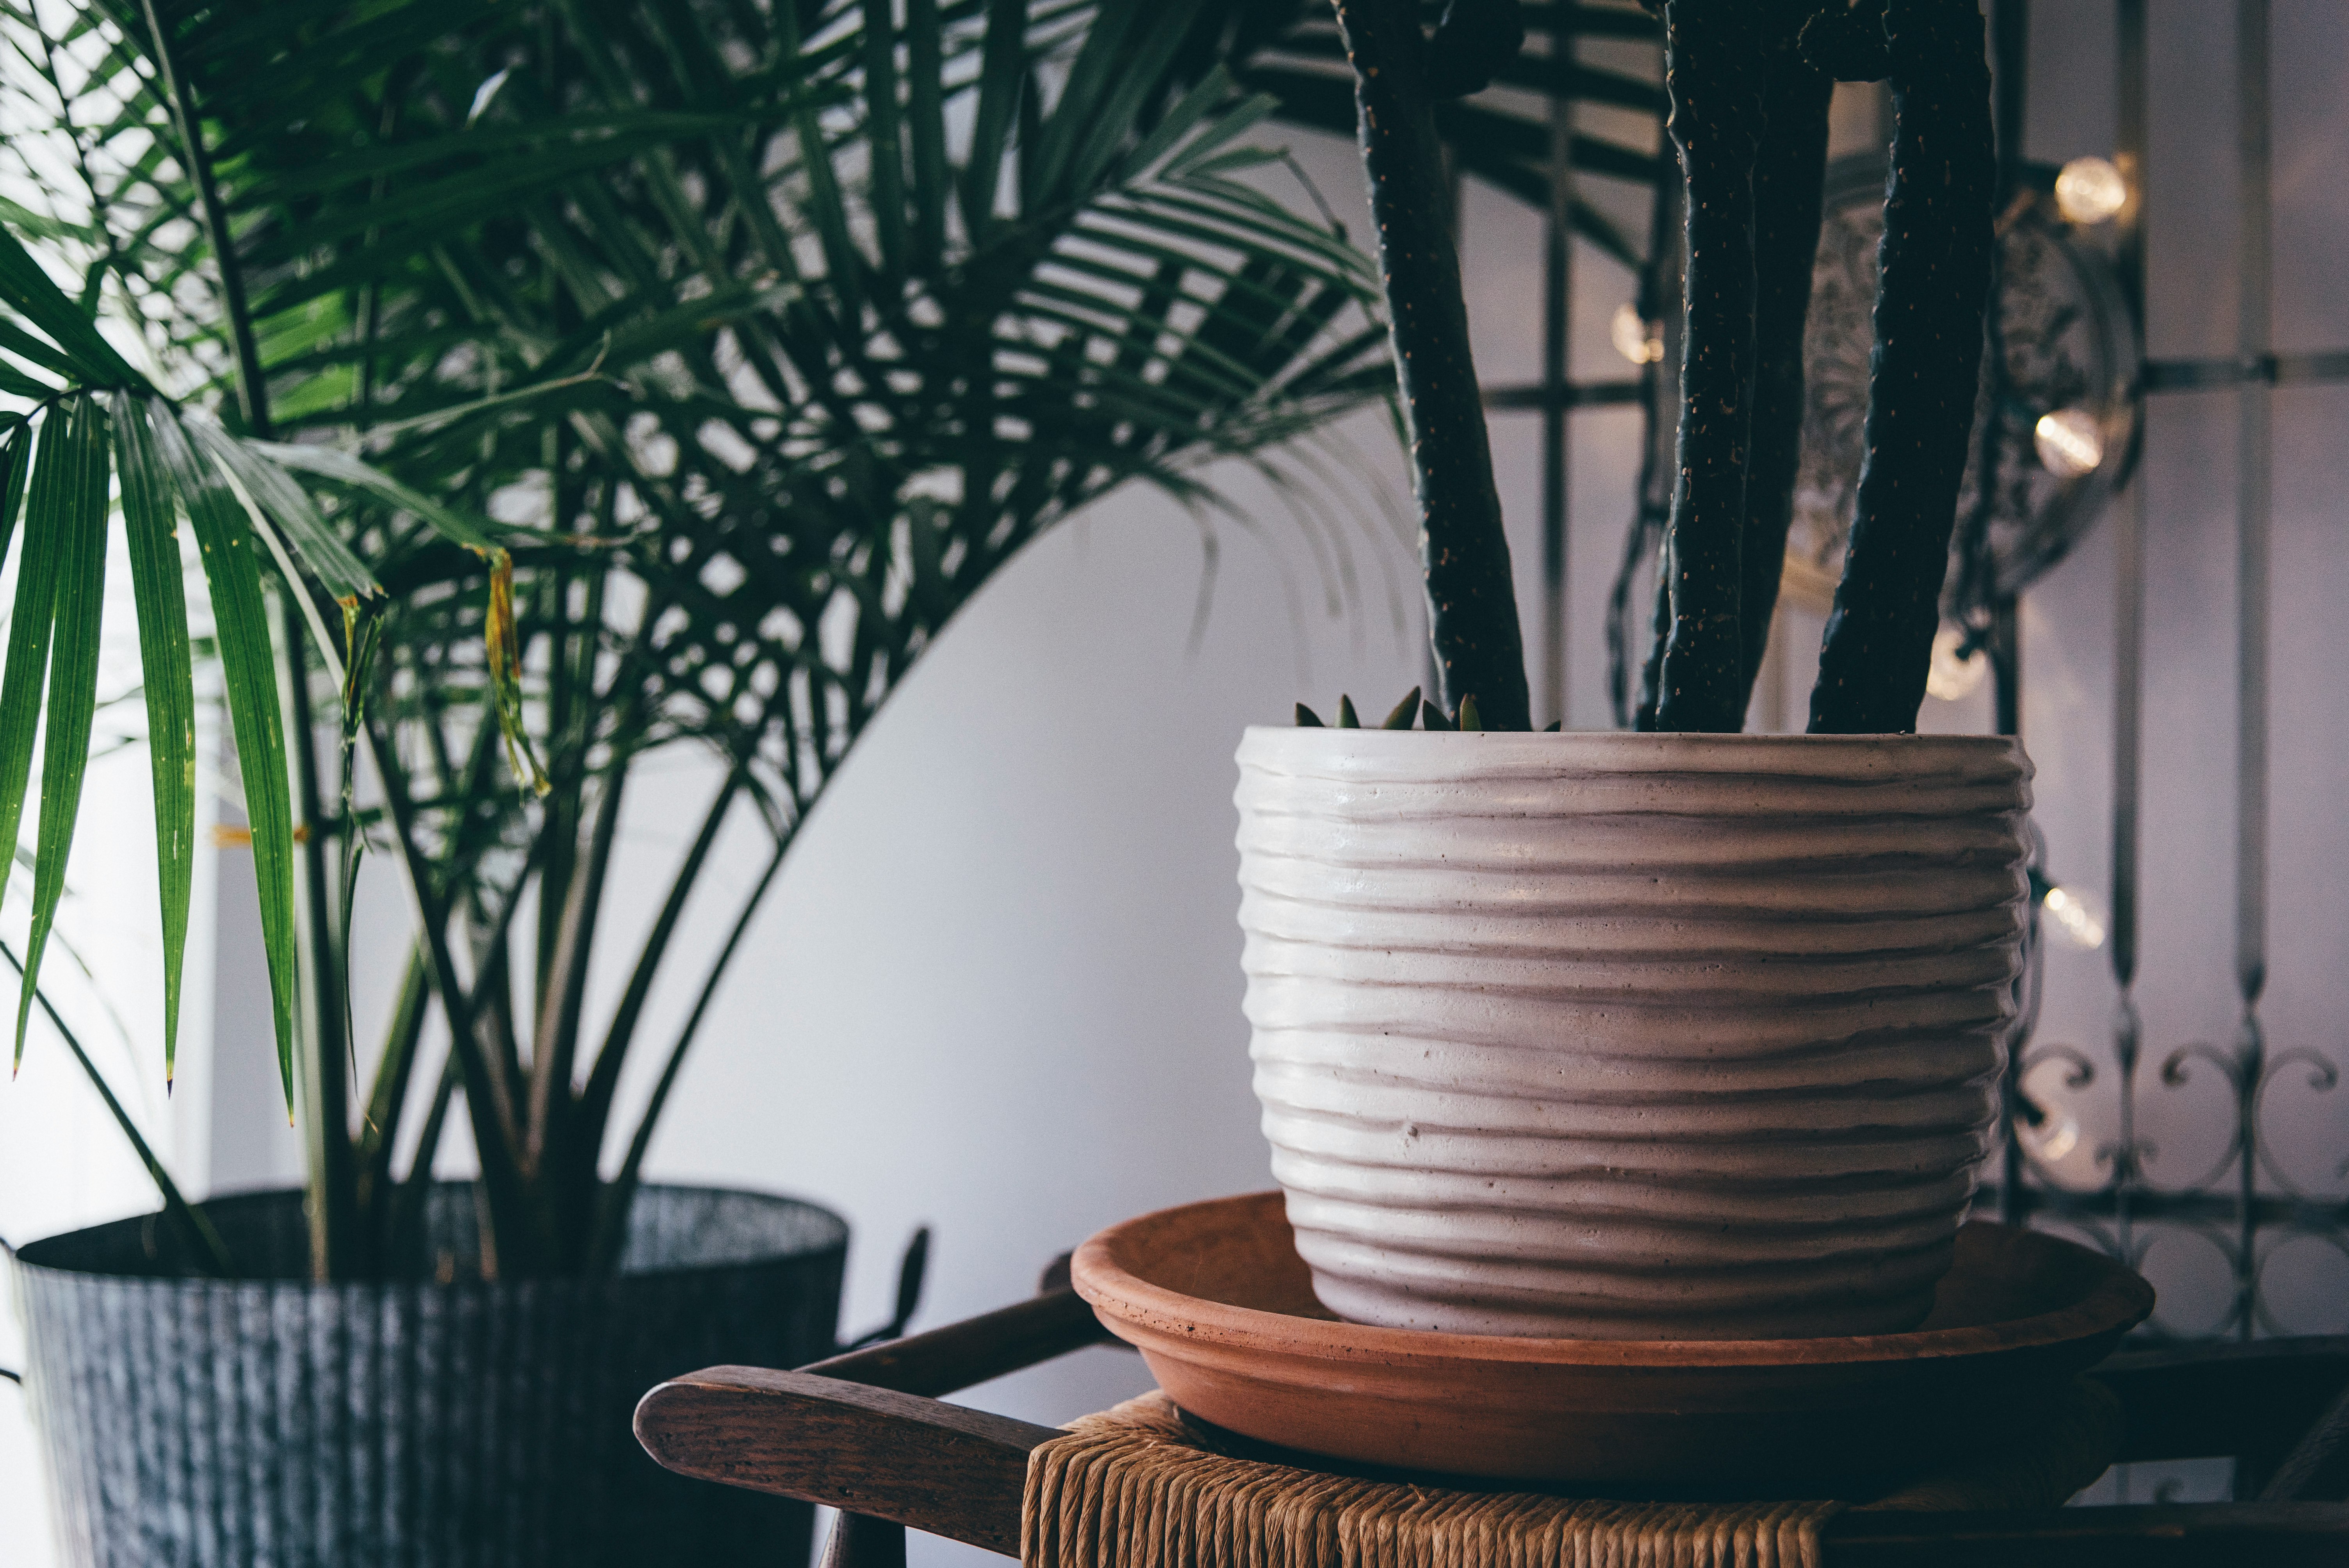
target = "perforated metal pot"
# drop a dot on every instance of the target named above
(267, 1422)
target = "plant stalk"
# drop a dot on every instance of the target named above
(332, 1204)
(1789, 192)
(1934, 271)
(1716, 63)
(554, 1037)
(604, 1077)
(1463, 548)
(612, 1210)
(252, 385)
(489, 1098)
(205, 1248)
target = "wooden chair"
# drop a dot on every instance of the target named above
(866, 1433)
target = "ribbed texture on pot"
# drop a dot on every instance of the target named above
(1629, 1036)
(270, 1423)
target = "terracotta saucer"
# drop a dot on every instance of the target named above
(1221, 1307)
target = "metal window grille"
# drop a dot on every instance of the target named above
(2245, 1206)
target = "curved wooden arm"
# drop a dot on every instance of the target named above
(2191, 1401)
(963, 1354)
(873, 1451)
(844, 1431)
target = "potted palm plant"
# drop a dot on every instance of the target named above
(1681, 1033)
(591, 379)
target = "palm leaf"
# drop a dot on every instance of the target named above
(283, 501)
(233, 570)
(160, 594)
(79, 598)
(79, 349)
(50, 505)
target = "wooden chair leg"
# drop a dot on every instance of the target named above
(2317, 1469)
(860, 1541)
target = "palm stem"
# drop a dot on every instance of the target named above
(612, 1215)
(555, 1038)
(332, 1177)
(603, 1080)
(489, 1098)
(388, 1101)
(404, 1224)
(206, 1251)
(251, 384)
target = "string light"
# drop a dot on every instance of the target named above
(2069, 442)
(2075, 918)
(2051, 1136)
(2090, 190)
(1954, 675)
(1637, 339)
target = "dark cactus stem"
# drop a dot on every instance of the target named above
(1472, 608)
(1660, 629)
(1934, 269)
(1789, 185)
(1716, 64)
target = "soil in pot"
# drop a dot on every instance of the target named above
(205, 1423)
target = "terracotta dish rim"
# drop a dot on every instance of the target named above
(2118, 1301)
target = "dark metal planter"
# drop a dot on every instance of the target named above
(266, 1422)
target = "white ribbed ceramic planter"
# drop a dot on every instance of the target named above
(1609, 1035)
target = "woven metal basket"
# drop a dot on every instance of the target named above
(204, 1423)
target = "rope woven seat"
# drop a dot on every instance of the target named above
(1145, 1486)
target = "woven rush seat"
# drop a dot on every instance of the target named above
(1145, 1486)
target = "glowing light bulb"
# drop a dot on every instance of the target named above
(1954, 674)
(2068, 442)
(2090, 190)
(1636, 339)
(2075, 918)
(2057, 1134)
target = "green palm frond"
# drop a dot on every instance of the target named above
(88, 418)
(766, 332)
(1290, 50)
(848, 385)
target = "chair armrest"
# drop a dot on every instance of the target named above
(849, 1432)
(963, 1354)
(887, 1455)
(2248, 1400)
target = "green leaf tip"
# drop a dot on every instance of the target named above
(1400, 716)
(1347, 718)
(1432, 717)
(1554, 726)
(1309, 719)
(1469, 717)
